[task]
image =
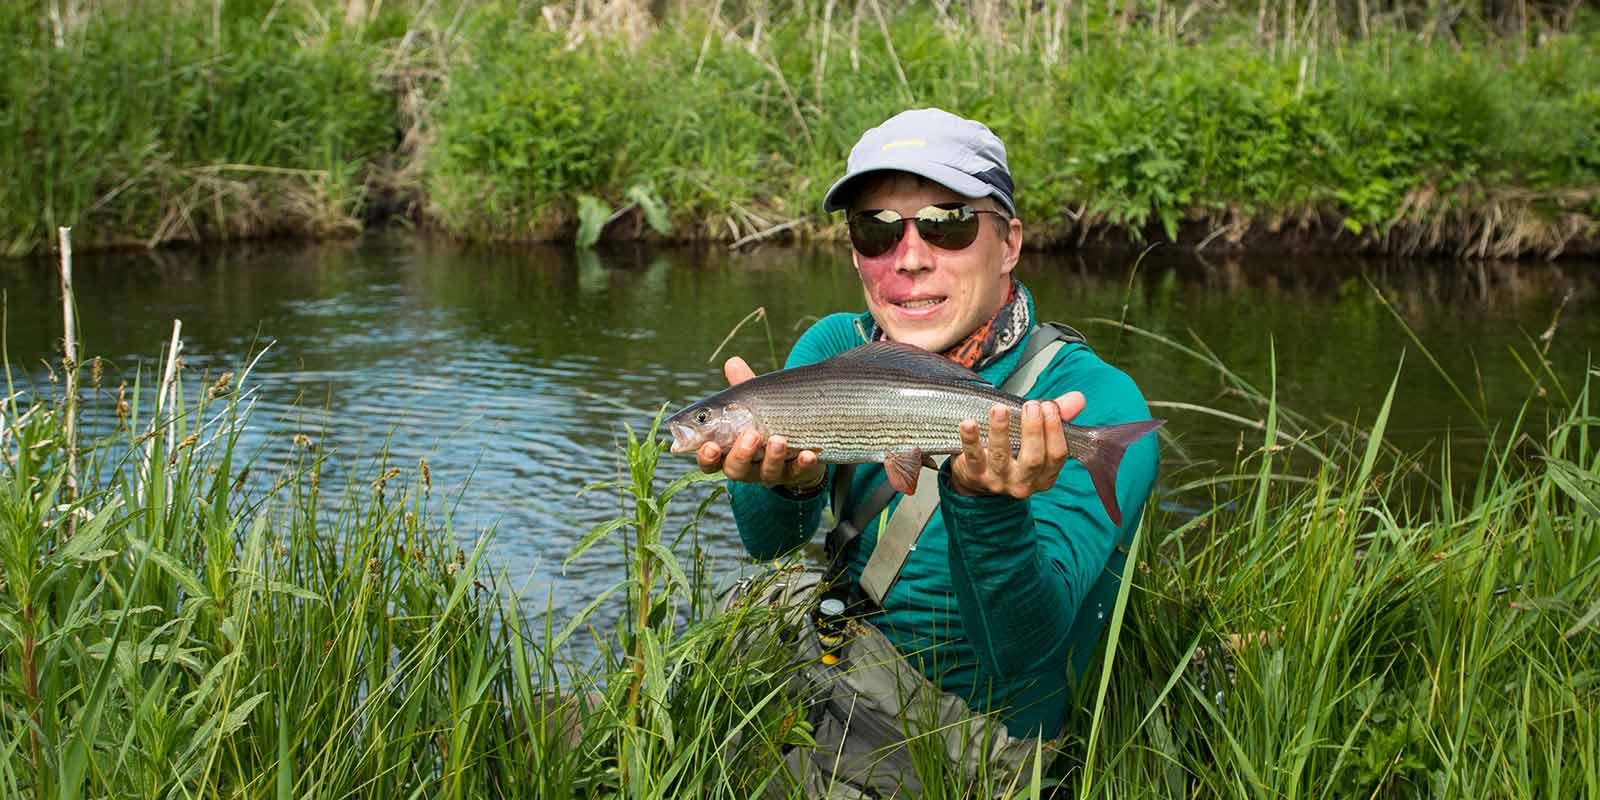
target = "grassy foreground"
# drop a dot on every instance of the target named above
(1372, 629)
(1409, 127)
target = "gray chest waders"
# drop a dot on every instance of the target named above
(868, 699)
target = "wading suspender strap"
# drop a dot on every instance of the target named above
(846, 531)
(898, 538)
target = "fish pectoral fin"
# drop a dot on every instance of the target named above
(903, 470)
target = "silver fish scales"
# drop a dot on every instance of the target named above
(884, 402)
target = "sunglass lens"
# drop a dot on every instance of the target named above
(872, 236)
(949, 233)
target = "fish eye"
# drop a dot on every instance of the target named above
(702, 416)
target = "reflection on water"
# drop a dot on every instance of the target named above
(512, 369)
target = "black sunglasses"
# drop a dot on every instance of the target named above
(947, 226)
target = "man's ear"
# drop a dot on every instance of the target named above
(1013, 244)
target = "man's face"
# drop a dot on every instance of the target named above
(929, 297)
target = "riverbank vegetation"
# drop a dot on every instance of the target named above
(1463, 128)
(1329, 616)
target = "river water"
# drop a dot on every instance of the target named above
(513, 369)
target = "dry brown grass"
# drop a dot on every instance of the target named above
(1501, 223)
(1467, 223)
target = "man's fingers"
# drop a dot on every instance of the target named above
(736, 371)
(1055, 437)
(805, 470)
(999, 436)
(709, 457)
(972, 456)
(1031, 454)
(737, 463)
(774, 461)
(1071, 404)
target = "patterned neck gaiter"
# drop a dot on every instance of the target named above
(991, 340)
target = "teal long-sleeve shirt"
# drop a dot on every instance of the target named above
(1003, 601)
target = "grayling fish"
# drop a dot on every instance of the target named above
(885, 402)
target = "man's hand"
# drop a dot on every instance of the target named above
(777, 464)
(994, 470)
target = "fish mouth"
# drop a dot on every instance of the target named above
(683, 438)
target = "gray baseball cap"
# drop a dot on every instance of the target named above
(960, 154)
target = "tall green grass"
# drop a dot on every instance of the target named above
(152, 124)
(325, 636)
(1376, 628)
(1333, 617)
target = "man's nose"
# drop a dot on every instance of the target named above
(916, 254)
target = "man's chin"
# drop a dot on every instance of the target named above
(933, 334)
(934, 341)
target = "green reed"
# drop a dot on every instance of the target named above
(1340, 617)
(202, 634)
(1380, 630)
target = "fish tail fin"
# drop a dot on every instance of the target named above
(1100, 450)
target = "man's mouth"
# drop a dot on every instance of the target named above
(919, 303)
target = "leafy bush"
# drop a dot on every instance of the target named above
(145, 119)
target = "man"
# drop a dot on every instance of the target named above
(995, 598)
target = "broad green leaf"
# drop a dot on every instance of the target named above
(256, 541)
(594, 535)
(655, 687)
(1590, 617)
(1581, 486)
(190, 582)
(592, 215)
(686, 480)
(200, 698)
(669, 561)
(583, 615)
(654, 208)
(240, 714)
(284, 587)
(601, 485)
(86, 543)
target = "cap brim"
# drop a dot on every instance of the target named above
(838, 196)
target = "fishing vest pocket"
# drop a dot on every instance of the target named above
(875, 716)
(873, 713)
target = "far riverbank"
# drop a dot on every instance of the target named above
(1297, 128)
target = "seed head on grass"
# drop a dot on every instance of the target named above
(221, 386)
(383, 480)
(188, 442)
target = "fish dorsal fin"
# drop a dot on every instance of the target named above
(909, 360)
